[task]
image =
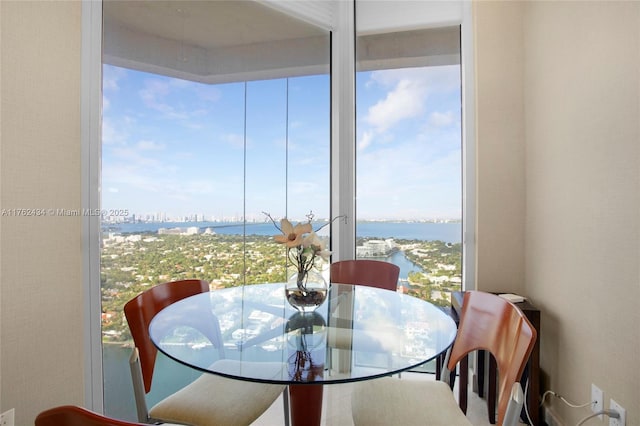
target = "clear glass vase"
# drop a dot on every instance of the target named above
(305, 291)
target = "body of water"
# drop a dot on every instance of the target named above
(406, 266)
(425, 231)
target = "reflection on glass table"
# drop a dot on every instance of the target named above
(252, 333)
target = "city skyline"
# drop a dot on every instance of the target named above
(160, 217)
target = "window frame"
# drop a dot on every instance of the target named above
(90, 141)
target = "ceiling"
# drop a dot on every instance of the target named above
(216, 41)
(211, 41)
(208, 24)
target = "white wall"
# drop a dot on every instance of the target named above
(558, 107)
(41, 264)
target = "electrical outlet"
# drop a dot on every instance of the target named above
(597, 398)
(614, 406)
(8, 418)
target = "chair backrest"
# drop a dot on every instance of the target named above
(70, 415)
(372, 273)
(492, 323)
(140, 310)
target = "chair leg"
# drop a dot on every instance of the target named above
(138, 386)
(285, 405)
(491, 393)
(481, 373)
(463, 384)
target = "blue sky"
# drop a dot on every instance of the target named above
(178, 147)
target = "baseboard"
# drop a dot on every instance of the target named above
(550, 417)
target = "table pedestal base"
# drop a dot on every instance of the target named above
(305, 402)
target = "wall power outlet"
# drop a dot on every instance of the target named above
(597, 396)
(8, 418)
(623, 414)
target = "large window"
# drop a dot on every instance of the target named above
(409, 157)
(194, 156)
(217, 112)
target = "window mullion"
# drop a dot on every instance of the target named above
(343, 133)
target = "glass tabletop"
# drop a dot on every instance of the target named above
(253, 333)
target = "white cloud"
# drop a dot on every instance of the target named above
(365, 140)
(112, 135)
(111, 76)
(156, 94)
(146, 145)
(132, 157)
(406, 93)
(208, 93)
(414, 180)
(406, 100)
(234, 139)
(302, 188)
(414, 170)
(153, 95)
(196, 187)
(152, 175)
(441, 78)
(441, 119)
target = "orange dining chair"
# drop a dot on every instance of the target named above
(487, 322)
(71, 415)
(365, 272)
(210, 399)
(372, 273)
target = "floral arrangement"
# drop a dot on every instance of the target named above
(304, 247)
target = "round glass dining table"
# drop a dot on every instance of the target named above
(252, 333)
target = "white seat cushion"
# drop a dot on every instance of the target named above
(215, 400)
(391, 401)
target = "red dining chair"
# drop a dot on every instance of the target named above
(71, 415)
(372, 273)
(487, 322)
(209, 400)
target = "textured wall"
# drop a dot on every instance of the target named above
(41, 275)
(582, 62)
(561, 81)
(500, 146)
